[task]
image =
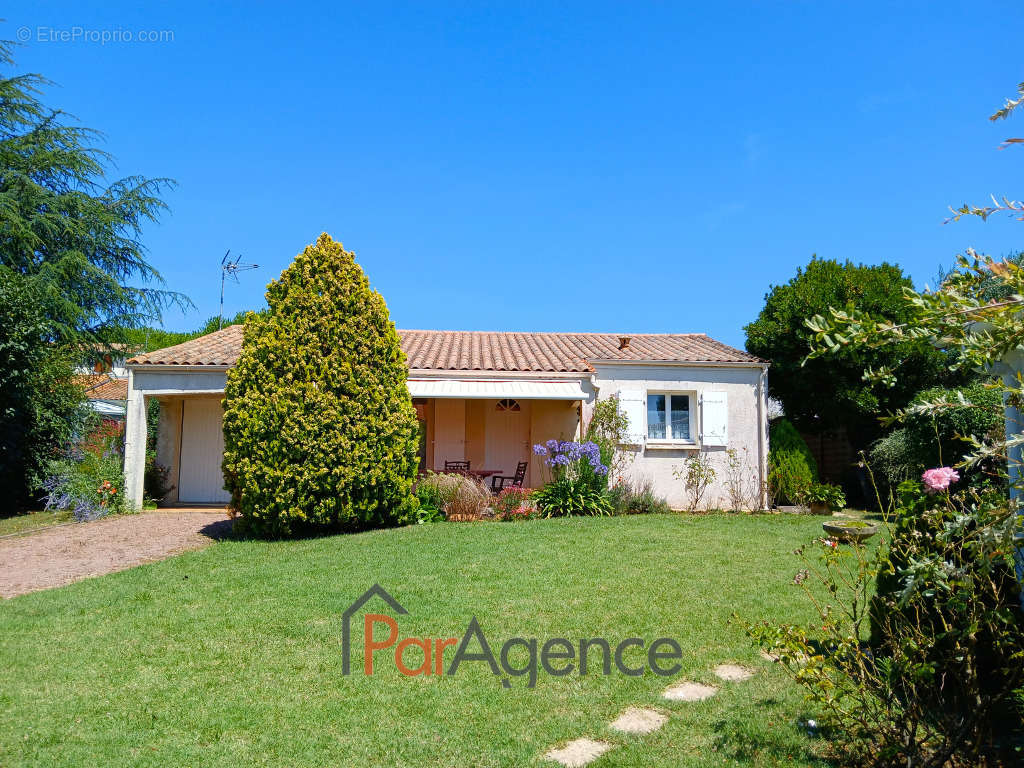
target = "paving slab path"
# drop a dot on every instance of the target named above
(686, 690)
(639, 720)
(53, 557)
(578, 752)
(733, 673)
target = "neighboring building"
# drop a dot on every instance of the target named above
(106, 393)
(104, 377)
(487, 398)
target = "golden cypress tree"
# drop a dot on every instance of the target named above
(319, 430)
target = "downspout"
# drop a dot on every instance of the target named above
(762, 435)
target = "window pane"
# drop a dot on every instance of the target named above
(656, 417)
(680, 417)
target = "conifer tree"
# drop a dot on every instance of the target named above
(319, 430)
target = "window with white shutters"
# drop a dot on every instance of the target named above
(631, 405)
(714, 418)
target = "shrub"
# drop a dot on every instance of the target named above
(608, 429)
(89, 481)
(936, 426)
(637, 498)
(791, 466)
(429, 494)
(514, 504)
(319, 429)
(741, 481)
(940, 684)
(697, 475)
(41, 409)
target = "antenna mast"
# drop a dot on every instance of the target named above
(232, 268)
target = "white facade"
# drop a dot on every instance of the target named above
(725, 410)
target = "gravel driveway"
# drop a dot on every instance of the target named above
(57, 556)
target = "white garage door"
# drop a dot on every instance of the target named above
(202, 445)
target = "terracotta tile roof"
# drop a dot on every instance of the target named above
(217, 348)
(491, 351)
(103, 387)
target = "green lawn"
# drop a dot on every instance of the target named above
(31, 521)
(231, 655)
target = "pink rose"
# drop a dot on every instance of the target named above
(939, 479)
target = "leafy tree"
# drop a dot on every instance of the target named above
(65, 227)
(70, 242)
(823, 395)
(41, 409)
(319, 429)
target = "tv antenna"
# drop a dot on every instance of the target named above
(232, 268)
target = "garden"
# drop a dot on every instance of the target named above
(231, 655)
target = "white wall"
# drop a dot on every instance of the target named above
(746, 426)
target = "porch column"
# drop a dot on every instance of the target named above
(134, 443)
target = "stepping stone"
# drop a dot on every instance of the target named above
(578, 753)
(733, 673)
(637, 720)
(687, 691)
(769, 656)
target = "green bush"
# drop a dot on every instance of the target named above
(935, 437)
(637, 498)
(515, 504)
(319, 429)
(791, 466)
(942, 680)
(89, 480)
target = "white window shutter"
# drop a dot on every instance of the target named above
(714, 418)
(633, 406)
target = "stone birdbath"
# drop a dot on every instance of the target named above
(850, 530)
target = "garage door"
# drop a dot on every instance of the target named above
(202, 444)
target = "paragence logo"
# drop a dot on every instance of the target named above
(516, 657)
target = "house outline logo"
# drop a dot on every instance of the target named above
(346, 619)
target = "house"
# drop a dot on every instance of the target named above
(104, 378)
(487, 398)
(105, 393)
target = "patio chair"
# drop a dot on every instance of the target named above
(500, 482)
(456, 466)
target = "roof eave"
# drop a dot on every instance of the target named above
(456, 373)
(686, 363)
(177, 366)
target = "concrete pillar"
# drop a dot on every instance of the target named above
(134, 443)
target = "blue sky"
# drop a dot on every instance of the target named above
(532, 166)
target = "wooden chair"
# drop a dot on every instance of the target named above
(500, 482)
(456, 466)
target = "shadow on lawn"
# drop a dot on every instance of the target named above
(750, 741)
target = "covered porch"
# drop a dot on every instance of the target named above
(493, 423)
